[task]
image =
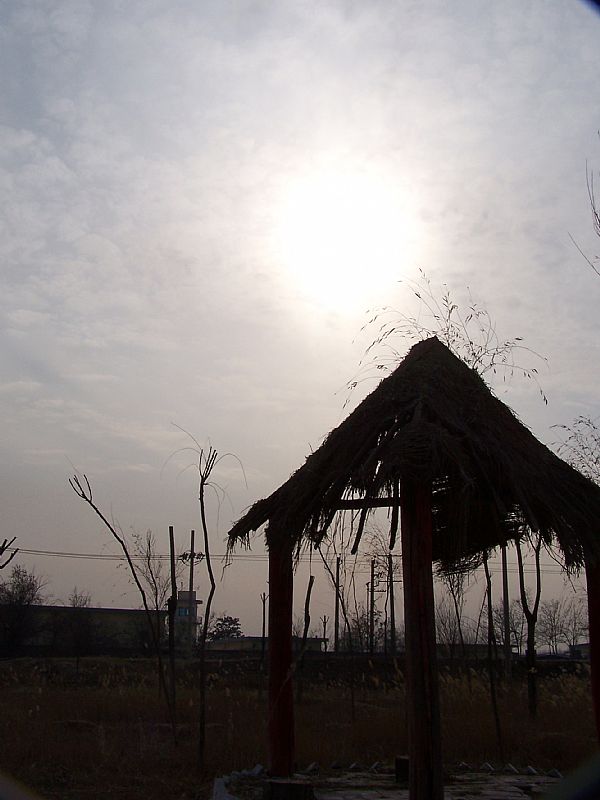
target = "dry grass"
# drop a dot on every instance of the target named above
(106, 733)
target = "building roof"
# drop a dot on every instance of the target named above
(435, 420)
(98, 610)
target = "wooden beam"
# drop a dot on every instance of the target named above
(281, 697)
(592, 574)
(425, 749)
(367, 502)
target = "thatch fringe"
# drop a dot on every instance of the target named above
(435, 420)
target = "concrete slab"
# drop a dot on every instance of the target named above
(344, 785)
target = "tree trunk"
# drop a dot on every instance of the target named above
(531, 670)
(531, 613)
(425, 750)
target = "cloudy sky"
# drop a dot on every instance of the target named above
(200, 201)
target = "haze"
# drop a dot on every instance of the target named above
(201, 201)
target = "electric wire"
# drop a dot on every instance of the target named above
(547, 569)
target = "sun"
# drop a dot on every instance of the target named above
(342, 236)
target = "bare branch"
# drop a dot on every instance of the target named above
(469, 333)
(6, 545)
(581, 446)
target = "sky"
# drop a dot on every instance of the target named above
(200, 202)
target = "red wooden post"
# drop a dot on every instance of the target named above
(281, 697)
(592, 574)
(425, 748)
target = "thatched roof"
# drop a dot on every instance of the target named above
(435, 420)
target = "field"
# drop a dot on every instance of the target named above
(101, 729)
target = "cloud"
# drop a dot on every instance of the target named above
(144, 151)
(19, 388)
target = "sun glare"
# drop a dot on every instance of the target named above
(342, 237)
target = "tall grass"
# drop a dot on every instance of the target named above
(105, 730)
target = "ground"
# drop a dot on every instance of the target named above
(101, 728)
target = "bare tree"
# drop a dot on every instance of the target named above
(83, 490)
(531, 614)
(516, 623)
(341, 600)
(80, 624)
(356, 632)
(551, 623)
(153, 573)
(298, 625)
(575, 624)
(23, 587)
(456, 584)
(446, 626)
(206, 464)
(79, 598)
(21, 591)
(388, 572)
(206, 460)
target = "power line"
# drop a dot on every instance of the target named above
(120, 557)
(547, 569)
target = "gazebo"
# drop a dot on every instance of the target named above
(460, 475)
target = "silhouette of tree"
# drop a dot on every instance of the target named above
(225, 627)
(18, 594)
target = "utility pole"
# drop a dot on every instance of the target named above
(336, 623)
(192, 608)
(392, 607)
(506, 613)
(372, 610)
(325, 620)
(172, 609)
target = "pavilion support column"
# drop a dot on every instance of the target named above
(281, 697)
(424, 731)
(592, 574)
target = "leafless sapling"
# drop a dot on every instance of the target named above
(83, 490)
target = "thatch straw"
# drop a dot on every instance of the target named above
(435, 420)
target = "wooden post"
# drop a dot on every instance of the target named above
(506, 616)
(263, 638)
(336, 619)
(372, 609)
(281, 698)
(592, 574)
(425, 749)
(172, 610)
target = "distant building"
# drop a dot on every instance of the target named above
(68, 630)
(187, 619)
(580, 651)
